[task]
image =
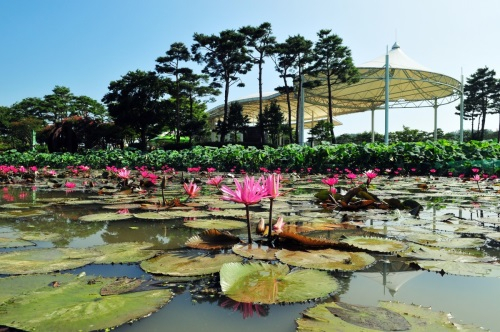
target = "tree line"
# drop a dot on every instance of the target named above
(172, 97)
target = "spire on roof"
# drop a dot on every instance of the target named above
(395, 46)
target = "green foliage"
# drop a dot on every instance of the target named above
(413, 158)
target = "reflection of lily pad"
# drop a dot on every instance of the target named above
(215, 224)
(388, 316)
(212, 239)
(97, 217)
(6, 242)
(267, 283)
(326, 259)
(25, 213)
(45, 260)
(375, 244)
(255, 251)
(125, 252)
(187, 263)
(40, 236)
(75, 304)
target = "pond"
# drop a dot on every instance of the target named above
(454, 216)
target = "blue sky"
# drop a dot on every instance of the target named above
(84, 45)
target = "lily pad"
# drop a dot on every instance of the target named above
(444, 241)
(424, 252)
(46, 260)
(460, 268)
(161, 215)
(255, 251)
(98, 217)
(6, 242)
(125, 252)
(187, 263)
(215, 224)
(388, 316)
(269, 284)
(375, 244)
(212, 239)
(25, 213)
(326, 259)
(74, 304)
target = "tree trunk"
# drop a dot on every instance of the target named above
(226, 106)
(289, 109)
(261, 125)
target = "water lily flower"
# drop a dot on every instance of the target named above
(272, 184)
(351, 176)
(330, 181)
(278, 227)
(70, 185)
(210, 170)
(191, 189)
(123, 173)
(215, 181)
(249, 192)
(477, 178)
(475, 170)
(370, 175)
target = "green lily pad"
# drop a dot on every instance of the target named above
(444, 240)
(21, 205)
(122, 206)
(98, 217)
(388, 316)
(125, 252)
(187, 263)
(40, 236)
(212, 239)
(6, 242)
(375, 244)
(255, 251)
(431, 253)
(326, 259)
(269, 284)
(25, 213)
(215, 224)
(46, 260)
(74, 304)
(460, 268)
(161, 215)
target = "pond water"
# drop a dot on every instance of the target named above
(198, 304)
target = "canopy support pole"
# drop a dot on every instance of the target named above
(386, 137)
(462, 108)
(435, 119)
(373, 125)
(301, 112)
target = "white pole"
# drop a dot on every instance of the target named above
(462, 108)
(435, 119)
(386, 138)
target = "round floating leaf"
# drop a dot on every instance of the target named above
(255, 251)
(6, 242)
(215, 224)
(162, 215)
(21, 213)
(460, 268)
(388, 316)
(125, 252)
(120, 286)
(423, 252)
(326, 259)
(46, 260)
(75, 304)
(21, 205)
(97, 217)
(122, 206)
(40, 236)
(266, 283)
(305, 241)
(212, 239)
(445, 240)
(187, 263)
(375, 244)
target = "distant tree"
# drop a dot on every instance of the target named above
(481, 93)
(58, 105)
(321, 132)
(291, 57)
(135, 101)
(225, 57)
(89, 108)
(409, 135)
(361, 138)
(272, 120)
(262, 42)
(170, 64)
(236, 121)
(333, 61)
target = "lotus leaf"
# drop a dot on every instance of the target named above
(122, 206)
(461, 268)
(161, 215)
(424, 252)
(6, 242)
(97, 217)
(375, 244)
(212, 239)
(74, 304)
(25, 213)
(125, 252)
(21, 205)
(255, 251)
(215, 224)
(46, 260)
(267, 283)
(444, 241)
(388, 316)
(326, 259)
(187, 263)
(40, 236)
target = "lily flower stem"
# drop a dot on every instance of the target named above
(478, 186)
(270, 221)
(248, 224)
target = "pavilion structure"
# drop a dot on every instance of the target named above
(392, 80)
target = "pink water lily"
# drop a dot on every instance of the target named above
(272, 184)
(215, 181)
(249, 192)
(370, 175)
(278, 227)
(191, 189)
(123, 173)
(70, 185)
